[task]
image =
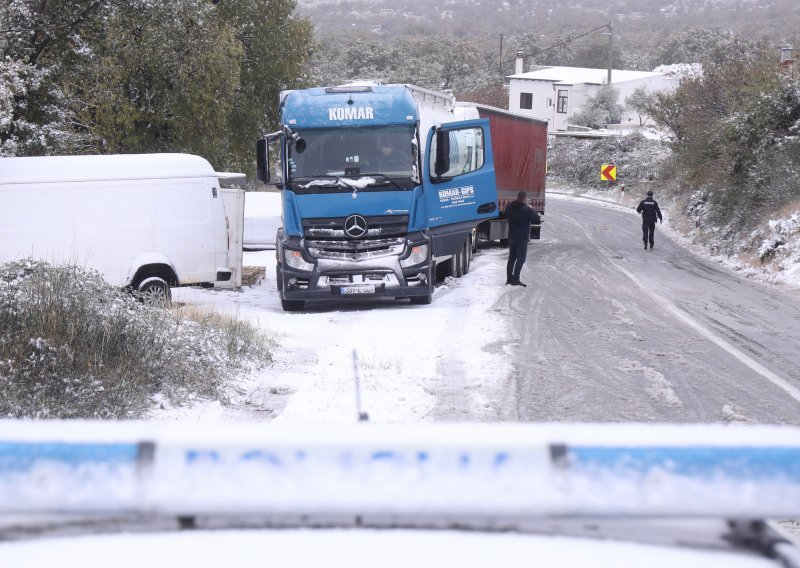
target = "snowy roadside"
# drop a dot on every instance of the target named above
(404, 357)
(413, 363)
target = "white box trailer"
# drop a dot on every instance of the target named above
(144, 221)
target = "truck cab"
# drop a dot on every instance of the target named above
(379, 184)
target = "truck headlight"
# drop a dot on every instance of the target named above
(419, 253)
(294, 259)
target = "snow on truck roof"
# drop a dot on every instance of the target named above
(59, 169)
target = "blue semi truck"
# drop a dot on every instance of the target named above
(382, 186)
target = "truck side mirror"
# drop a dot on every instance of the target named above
(442, 162)
(262, 160)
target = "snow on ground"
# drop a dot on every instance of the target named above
(403, 357)
(391, 348)
(395, 351)
(354, 549)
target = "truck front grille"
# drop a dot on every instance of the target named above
(378, 227)
(384, 235)
(356, 249)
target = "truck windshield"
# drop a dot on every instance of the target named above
(375, 159)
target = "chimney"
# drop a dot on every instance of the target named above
(786, 54)
(518, 66)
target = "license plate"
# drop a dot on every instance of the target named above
(357, 289)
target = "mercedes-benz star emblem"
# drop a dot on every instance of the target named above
(355, 226)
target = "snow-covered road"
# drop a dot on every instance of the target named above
(605, 331)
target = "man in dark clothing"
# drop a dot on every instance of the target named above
(519, 216)
(648, 207)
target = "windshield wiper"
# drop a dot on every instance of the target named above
(363, 180)
(322, 180)
(384, 180)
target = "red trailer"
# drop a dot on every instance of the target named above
(519, 144)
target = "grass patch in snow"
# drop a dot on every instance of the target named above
(72, 346)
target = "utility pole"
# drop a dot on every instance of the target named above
(610, 51)
(500, 66)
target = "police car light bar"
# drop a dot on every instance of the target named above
(475, 470)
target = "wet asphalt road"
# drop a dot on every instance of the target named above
(607, 331)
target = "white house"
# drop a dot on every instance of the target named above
(557, 93)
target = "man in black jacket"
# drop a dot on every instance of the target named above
(648, 207)
(519, 216)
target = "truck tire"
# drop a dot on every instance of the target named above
(466, 260)
(428, 298)
(447, 268)
(422, 300)
(278, 278)
(292, 305)
(155, 291)
(459, 263)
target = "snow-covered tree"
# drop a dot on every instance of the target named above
(142, 75)
(46, 41)
(705, 46)
(736, 137)
(600, 110)
(276, 43)
(640, 101)
(163, 79)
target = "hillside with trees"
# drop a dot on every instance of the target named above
(200, 76)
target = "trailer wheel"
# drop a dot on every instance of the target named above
(292, 305)
(155, 291)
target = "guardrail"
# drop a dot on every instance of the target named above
(475, 470)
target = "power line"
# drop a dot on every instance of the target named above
(492, 65)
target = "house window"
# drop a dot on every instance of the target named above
(526, 100)
(562, 101)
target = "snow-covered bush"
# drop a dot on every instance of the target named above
(735, 137)
(782, 232)
(577, 161)
(71, 346)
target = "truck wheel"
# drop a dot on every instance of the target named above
(155, 291)
(466, 255)
(278, 278)
(292, 305)
(446, 268)
(459, 263)
(473, 244)
(422, 300)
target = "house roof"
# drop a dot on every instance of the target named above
(575, 75)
